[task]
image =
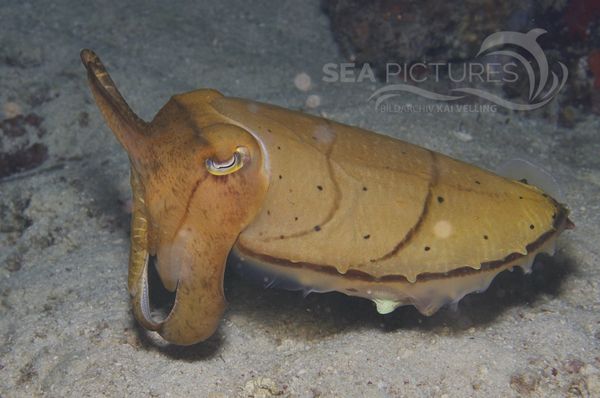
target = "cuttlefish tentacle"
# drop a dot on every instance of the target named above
(200, 300)
(139, 250)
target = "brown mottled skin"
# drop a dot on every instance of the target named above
(310, 191)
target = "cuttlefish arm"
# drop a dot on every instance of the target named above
(200, 301)
(197, 182)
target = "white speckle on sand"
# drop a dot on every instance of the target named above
(313, 101)
(463, 136)
(302, 81)
(11, 109)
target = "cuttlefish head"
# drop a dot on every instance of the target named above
(197, 182)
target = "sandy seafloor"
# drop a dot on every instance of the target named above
(65, 322)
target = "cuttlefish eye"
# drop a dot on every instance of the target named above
(238, 159)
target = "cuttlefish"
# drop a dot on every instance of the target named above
(309, 203)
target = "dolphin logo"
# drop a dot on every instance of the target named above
(528, 43)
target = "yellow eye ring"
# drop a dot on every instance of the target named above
(236, 162)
